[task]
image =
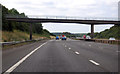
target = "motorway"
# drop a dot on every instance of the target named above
(61, 56)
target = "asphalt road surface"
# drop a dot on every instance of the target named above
(61, 56)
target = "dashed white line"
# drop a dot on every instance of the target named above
(65, 46)
(77, 52)
(58, 40)
(117, 51)
(94, 62)
(23, 59)
(69, 48)
(90, 45)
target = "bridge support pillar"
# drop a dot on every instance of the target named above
(92, 31)
(30, 31)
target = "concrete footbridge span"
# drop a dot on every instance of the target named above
(64, 19)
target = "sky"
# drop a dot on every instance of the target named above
(74, 8)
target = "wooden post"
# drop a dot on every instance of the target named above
(92, 31)
(30, 31)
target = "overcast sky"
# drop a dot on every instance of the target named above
(76, 8)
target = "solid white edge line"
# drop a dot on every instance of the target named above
(77, 52)
(94, 62)
(23, 59)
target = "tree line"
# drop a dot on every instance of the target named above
(22, 26)
(114, 31)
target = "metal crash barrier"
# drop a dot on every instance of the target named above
(107, 41)
(103, 41)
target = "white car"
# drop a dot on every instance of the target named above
(111, 38)
(88, 37)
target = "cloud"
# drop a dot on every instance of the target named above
(77, 8)
(65, 7)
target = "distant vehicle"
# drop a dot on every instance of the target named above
(57, 37)
(61, 37)
(88, 37)
(111, 38)
(64, 37)
(84, 36)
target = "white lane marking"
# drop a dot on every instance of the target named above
(77, 52)
(23, 59)
(90, 45)
(117, 51)
(65, 46)
(69, 48)
(58, 40)
(94, 62)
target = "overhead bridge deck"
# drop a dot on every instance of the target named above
(57, 19)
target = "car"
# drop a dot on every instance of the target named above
(88, 37)
(84, 36)
(111, 38)
(57, 38)
(61, 37)
(64, 38)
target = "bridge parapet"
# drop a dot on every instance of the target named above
(63, 17)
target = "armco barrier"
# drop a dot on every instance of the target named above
(107, 41)
(12, 43)
(103, 41)
(17, 42)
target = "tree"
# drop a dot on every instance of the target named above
(114, 31)
(22, 26)
(13, 11)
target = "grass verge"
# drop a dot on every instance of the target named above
(17, 35)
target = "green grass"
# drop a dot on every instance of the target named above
(17, 35)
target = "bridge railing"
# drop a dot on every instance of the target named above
(63, 17)
(73, 17)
